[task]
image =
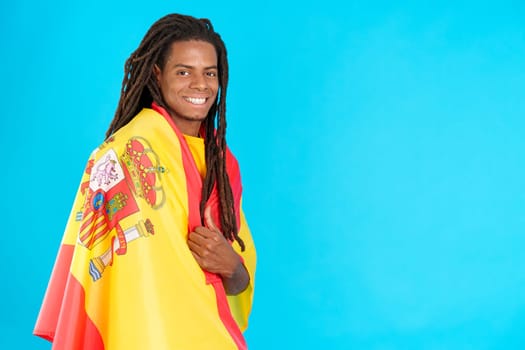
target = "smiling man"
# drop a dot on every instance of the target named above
(189, 82)
(157, 253)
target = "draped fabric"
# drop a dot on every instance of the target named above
(124, 277)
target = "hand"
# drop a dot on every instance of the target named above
(215, 254)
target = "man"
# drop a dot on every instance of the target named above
(157, 253)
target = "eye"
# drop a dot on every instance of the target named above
(211, 74)
(183, 73)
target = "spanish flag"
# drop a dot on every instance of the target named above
(124, 277)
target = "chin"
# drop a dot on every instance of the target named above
(198, 118)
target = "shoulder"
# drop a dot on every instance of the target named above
(143, 123)
(140, 126)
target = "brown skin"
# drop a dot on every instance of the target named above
(215, 254)
(189, 84)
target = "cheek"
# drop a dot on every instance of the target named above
(216, 89)
(169, 89)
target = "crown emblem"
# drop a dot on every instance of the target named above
(145, 172)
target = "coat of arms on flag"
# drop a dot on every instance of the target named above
(108, 200)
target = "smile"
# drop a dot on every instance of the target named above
(196, 100)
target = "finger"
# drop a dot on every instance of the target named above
(206, 233)
(203, 235)
(196, 241)
(195, 248)
(198, 259)
(208, 220)
(196, 256)
(203, 246)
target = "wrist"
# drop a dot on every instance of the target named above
(236, 268)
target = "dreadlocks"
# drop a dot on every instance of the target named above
(140, 89)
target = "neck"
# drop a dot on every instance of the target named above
(186, 126)
(190, 128)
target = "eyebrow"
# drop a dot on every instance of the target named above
(180, 65)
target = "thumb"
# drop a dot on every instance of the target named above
(208, 220)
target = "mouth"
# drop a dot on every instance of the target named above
(196, 100)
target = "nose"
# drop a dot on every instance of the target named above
(199, 82)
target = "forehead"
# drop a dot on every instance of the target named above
(192, 52)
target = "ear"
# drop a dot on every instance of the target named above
(156, 71)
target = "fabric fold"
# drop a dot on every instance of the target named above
(124, 258)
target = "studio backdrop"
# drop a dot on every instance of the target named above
(381, 147)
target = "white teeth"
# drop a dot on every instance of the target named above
(195, 100)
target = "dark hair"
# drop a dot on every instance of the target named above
(140, 89)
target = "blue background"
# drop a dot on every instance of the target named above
(381, 146)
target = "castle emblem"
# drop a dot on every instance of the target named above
(111, 194)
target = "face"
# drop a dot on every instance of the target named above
(189, 82)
